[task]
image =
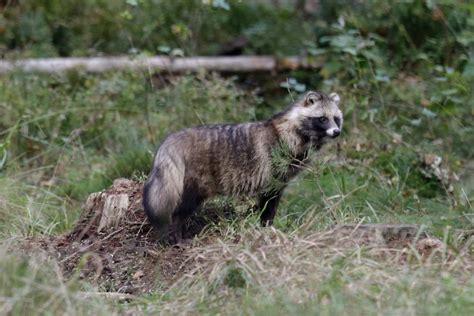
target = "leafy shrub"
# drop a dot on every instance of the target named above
(72, 27)
(410, 31)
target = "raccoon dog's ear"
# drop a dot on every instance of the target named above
(335, 97)
(312, 98)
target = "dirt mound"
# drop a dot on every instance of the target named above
(114, 246)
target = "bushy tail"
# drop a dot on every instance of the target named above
(162, 194)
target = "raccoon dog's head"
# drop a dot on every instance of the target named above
(318, 116)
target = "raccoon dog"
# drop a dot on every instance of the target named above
(197, 163)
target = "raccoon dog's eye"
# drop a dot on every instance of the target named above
(323, 119)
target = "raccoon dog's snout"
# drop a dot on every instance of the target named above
(333, 132)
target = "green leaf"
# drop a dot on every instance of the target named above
(468, 71)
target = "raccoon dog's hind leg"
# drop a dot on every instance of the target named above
(191, 199)
(162, 194)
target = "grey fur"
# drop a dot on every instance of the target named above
(197, 163)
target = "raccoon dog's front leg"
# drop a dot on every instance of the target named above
(267, 204)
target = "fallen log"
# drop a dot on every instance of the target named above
(159, 64)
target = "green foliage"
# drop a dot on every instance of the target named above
(73, 27)
(409, 32)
